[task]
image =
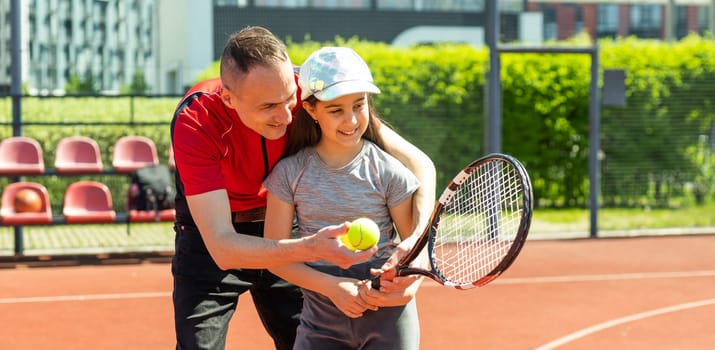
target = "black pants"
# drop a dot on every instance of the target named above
(205, 297)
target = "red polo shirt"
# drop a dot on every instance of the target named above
(214, 150)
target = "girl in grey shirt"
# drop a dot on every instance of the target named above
(337, 171)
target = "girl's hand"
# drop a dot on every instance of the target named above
(346, 297)
(398, 292)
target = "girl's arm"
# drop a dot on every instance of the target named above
(343, 292)
(423, 199)
(400, 290)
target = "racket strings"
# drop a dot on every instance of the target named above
(479, 224)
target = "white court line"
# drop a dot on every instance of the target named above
(595, 278)
(635, 317)
(606, 277)
(85, 297)
(522, 280)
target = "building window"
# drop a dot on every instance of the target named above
(550, 26)
(509, 6)
(324, 4)
(681, 21)
(341, 4)
(281, 3)
(436, 5)
(648, 16)
(172, 82)
(579, 20)
(703, 19)
(607, 22)
(231, 3)
(394, 4)
(646, 20)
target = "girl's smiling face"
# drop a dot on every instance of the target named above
(342, 121)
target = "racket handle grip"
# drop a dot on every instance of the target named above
(375, 281)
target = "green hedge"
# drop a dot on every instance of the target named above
(667, 128)
(655, 151)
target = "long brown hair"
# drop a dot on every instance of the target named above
(305, 132)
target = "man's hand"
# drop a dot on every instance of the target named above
(394, 290)
(402, 249)
(325, 246)
(389, 283)
(387, 270)
(398, 292)
(346, 297)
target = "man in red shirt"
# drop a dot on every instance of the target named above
(227, 135)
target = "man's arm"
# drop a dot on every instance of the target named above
(422, 166)
(423, 202)
(342, 291)
(211, 212)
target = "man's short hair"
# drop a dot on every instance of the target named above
(250, 47)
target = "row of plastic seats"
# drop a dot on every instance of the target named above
(84, 202)
(21, 155)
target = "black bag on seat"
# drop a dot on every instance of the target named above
(152, 188)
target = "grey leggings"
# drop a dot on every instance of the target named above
(325, 327)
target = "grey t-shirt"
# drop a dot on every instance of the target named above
(368, 186)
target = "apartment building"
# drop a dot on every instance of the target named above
(656, 19)
(5, 42)
(108, 40)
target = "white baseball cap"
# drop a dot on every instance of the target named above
(332, 72)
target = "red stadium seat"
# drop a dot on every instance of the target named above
(20, 155)
(10, 215)
(133, 152)
(78, 155)
(88, 202)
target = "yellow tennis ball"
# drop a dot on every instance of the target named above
(363, 233)
(346, 241)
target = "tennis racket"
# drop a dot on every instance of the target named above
(478, 225)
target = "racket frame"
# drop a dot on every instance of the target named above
(429, 235)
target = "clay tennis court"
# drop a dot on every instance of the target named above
(615, 293)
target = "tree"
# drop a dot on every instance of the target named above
(78, 85)
(138, 85)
